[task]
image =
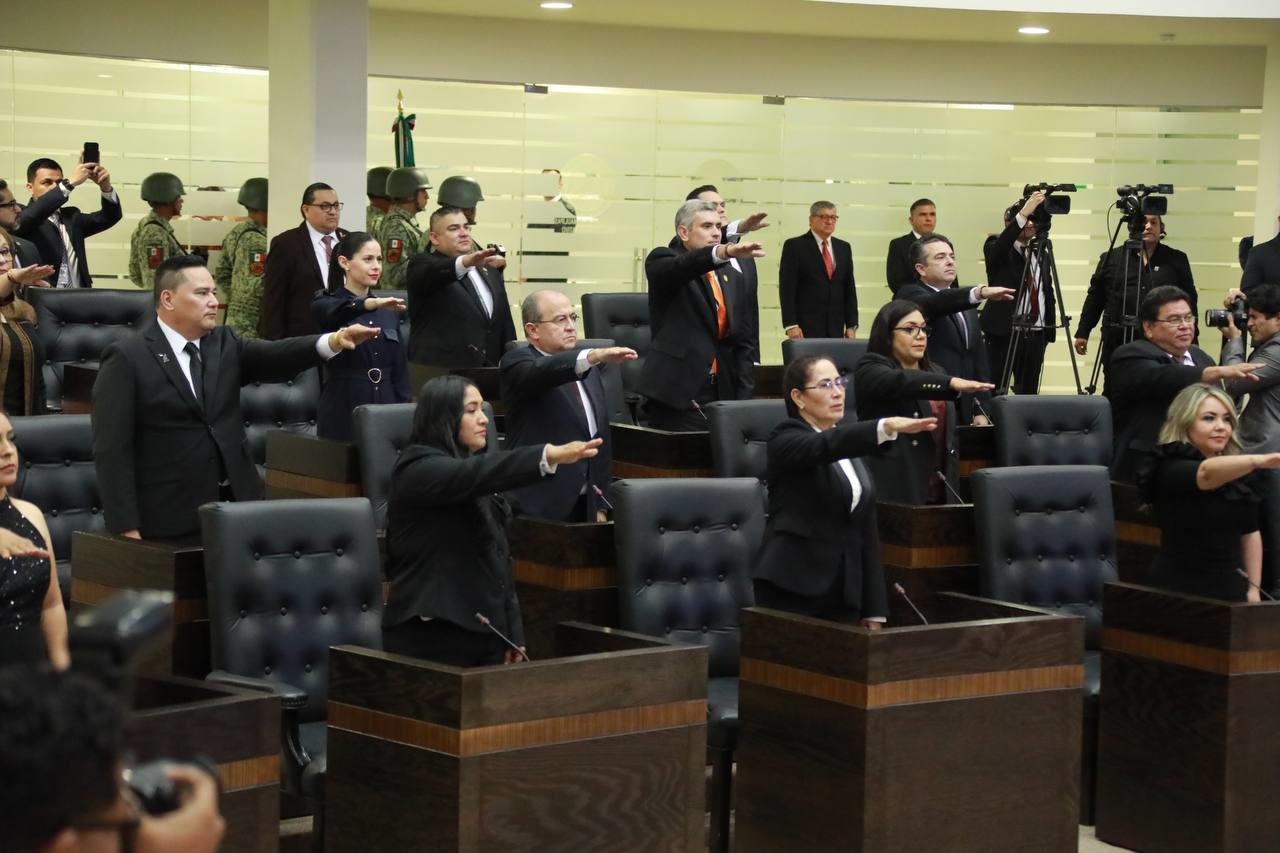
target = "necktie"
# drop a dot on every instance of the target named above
(827, 262)
(327, 240)
(722, 314)
(71, 264)
(197, 372)
(575, 394)
(1033, 293)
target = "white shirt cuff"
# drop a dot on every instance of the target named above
(874, 619)
(459, 270)
(882, 434)
(111, 196)
(1022, 220)
(543, 465)
(581, 366)
(974, 299)
(323, 349)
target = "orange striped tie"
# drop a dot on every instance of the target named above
(722, 315)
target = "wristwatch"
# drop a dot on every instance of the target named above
(66, 185)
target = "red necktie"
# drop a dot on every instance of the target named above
(827, 262)
(328, 247)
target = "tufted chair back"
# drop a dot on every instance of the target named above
(740, 433)
(56, 473)
(289, 405)
(381, 433)
(1046, 537)
(843, 351)
(622, 317)
(76, 325)
(1052, 430)
(685, 549)
(404, 318)
(287, 580)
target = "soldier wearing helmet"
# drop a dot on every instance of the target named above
(464, 193)
(243, 261)
(379, 203)
(400, 236)
(153, 241)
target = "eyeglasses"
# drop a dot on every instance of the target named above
(826, 217)
(13, 203)
(1180, 320)
(562, 320)
(915, 331)
(328, 206)
(827, 384)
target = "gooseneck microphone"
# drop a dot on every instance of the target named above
(943, 477)
(897, 587)
(699, 410)
(484, 620)
(978, 405)
(599, 494)
(1242, 573)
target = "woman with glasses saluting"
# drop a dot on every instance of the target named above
(896, 378)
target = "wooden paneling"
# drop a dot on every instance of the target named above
(644, 452)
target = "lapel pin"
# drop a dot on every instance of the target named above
(163, 356)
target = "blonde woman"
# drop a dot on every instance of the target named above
(1199, 484)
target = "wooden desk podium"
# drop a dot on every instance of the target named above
(963, 735)
(976, 448)
(179, 718)
(1137, 534)
(486, 379)
(769, 381)
(927, 549)
(77, 388)
(306, 466)
(1188, 749)
(601, 750)
(646, 452)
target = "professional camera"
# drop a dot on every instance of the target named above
(1052, 203)
(1216, 318)
(499, 249)
(1143, 200)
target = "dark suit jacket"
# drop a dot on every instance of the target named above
(898, 269)
(291, 280)
(447, 323)
(1107, 286)
(1263, 266)
(750, 284)
(158, 456)
(1005, 265)
(34, 225)
(682, 318)
(544, 406)
(447, 551)
(822, 307)
(905, 466)
(946, 310)
(1144, 380)
(811, 537)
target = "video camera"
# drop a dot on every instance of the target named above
(1142, 200)
(1052, 203)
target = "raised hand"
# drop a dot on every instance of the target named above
(611, 355)
(893, 426)
(969, 386)
(567, 454)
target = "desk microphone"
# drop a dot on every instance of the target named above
(982, 411)
(484, 359)
(954, 493)
(601, 496)
(897, 587)
(699, 409)
(484, 620)
(1242, 573)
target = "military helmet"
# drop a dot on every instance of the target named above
(459, 191)
(405, 182)
(253, 194)
(376, 181)
(162, 188)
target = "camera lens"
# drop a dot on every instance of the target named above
(1216, 318)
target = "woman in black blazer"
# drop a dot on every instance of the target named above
(821, 552)
(895, 378)
(448, 557)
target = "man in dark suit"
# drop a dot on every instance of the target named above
(899, 268)
(25, 252)
(58, 231)
(298, 265)
(815, 280)
(1009, 261)
(955, 342)
(168, 435)
(555, 394)
(1263, 266)
(459, 315)
(1147, 374)
(698, 314)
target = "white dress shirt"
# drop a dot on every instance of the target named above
(178, 343)
(317, 246)
(481, 286)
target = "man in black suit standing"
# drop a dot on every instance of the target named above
(298, 265)
(732, 232)
(815, 280)
(698, 314)
(1148, 373)
(899, 267)
(25, 252)
(555, 394)
(955, 339)
(58, 231)
(168, 435)
(1263, 266)
(459, 315)
(1009, 260)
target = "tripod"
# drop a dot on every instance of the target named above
(1043, 273)
(1127, 322)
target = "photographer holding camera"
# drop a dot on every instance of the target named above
(62, 782)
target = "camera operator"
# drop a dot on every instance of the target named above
(1148, 373)
(1112, 282)
(61, 775)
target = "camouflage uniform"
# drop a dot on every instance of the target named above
(373, 219)
(401, 239)
(239, 275)
(152, 243)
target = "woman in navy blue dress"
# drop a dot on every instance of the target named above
(377, 372)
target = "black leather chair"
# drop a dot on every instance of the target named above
(1046, 538)
(289, 405)
(685, 548)
(739, 434)
(287, 580)
(621, 317)
(381, 433)
(56, 473)
(77, 324)
(845, 352)
(1052, 430)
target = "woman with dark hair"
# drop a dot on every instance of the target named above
(21, 352)
(821, 552)
(377, 372)
(895, 378)
(448, 558)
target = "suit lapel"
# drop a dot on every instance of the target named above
(470, 287)
(158, 344)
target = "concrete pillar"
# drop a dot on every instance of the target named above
(1268, 199)
(318, 56)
